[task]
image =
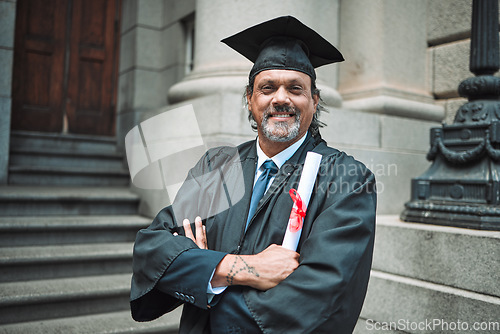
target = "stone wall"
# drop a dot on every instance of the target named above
(448, 37)
(7, 25)
(404, 61)
(388, 107)
(152, 57)
(427, 278)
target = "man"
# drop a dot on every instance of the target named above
(230, 272)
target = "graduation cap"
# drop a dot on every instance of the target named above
(284, 43)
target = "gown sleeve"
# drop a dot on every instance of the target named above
(156, 249)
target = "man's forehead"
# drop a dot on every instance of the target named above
(289, 76)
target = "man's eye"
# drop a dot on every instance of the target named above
(296, 89)
(266, 88)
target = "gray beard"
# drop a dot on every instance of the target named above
(281, 132)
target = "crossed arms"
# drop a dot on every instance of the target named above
(261, 271)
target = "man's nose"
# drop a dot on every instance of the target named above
(281, 96)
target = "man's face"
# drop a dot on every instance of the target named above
(282, 105)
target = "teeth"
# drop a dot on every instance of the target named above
(282, 115)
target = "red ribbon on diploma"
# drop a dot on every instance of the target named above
(298, 212)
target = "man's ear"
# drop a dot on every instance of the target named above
(315, 101)
(249, 99)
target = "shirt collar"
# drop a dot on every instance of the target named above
(280, 158)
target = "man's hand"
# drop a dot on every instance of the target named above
(201, 234)
(261, 271)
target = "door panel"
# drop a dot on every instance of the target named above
(65, 63)
(90, 101)
(38, 74)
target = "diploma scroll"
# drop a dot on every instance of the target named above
(301, 198)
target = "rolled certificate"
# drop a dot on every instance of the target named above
(301, 198)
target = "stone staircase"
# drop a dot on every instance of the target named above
(67, 225)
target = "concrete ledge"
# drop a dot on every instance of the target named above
(63, 297)
(47, 201)
(395, 106)
(72, 223)
(61, 230)
(28, 263)
(68, 176)
(461, 258)
(105, 323)
(191, 89)
(73, 142)
(415, 306)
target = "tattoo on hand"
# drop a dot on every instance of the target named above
(234, 271)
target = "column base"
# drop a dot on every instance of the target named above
(390, 105)
(480, 217)
(330, 96)
(194, 88)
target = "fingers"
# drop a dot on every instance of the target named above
(201, 236)
(187, 229)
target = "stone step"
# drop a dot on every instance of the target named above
(44, 262)
(105, 323)
(63, 297)
(28, 156)
(46, 201)
(68, 142)
(456, 257)
(68, 176)
(60, 230)
(403, 304)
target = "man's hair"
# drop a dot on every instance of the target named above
(315, 123)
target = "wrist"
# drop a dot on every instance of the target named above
(235, 270)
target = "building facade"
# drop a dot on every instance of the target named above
(404, 61)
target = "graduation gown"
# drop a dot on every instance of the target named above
(323, 295)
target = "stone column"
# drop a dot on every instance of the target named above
(151, 50)
(385, 44)
(7, 27)
(219, 69)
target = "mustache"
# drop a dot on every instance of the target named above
(280, 109)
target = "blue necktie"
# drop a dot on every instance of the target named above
(270, 169)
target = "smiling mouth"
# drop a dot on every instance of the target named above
(282, 115)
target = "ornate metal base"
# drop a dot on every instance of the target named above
(482, 217)
(462, 186)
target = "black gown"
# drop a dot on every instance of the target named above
(323, 295)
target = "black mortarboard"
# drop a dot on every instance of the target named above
(284, 43)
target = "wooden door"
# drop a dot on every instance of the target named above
(37, 82)
(65, 66)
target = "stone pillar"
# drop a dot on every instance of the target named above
(151, 57)
(385, 44)
(219, 69)
(7, 28)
